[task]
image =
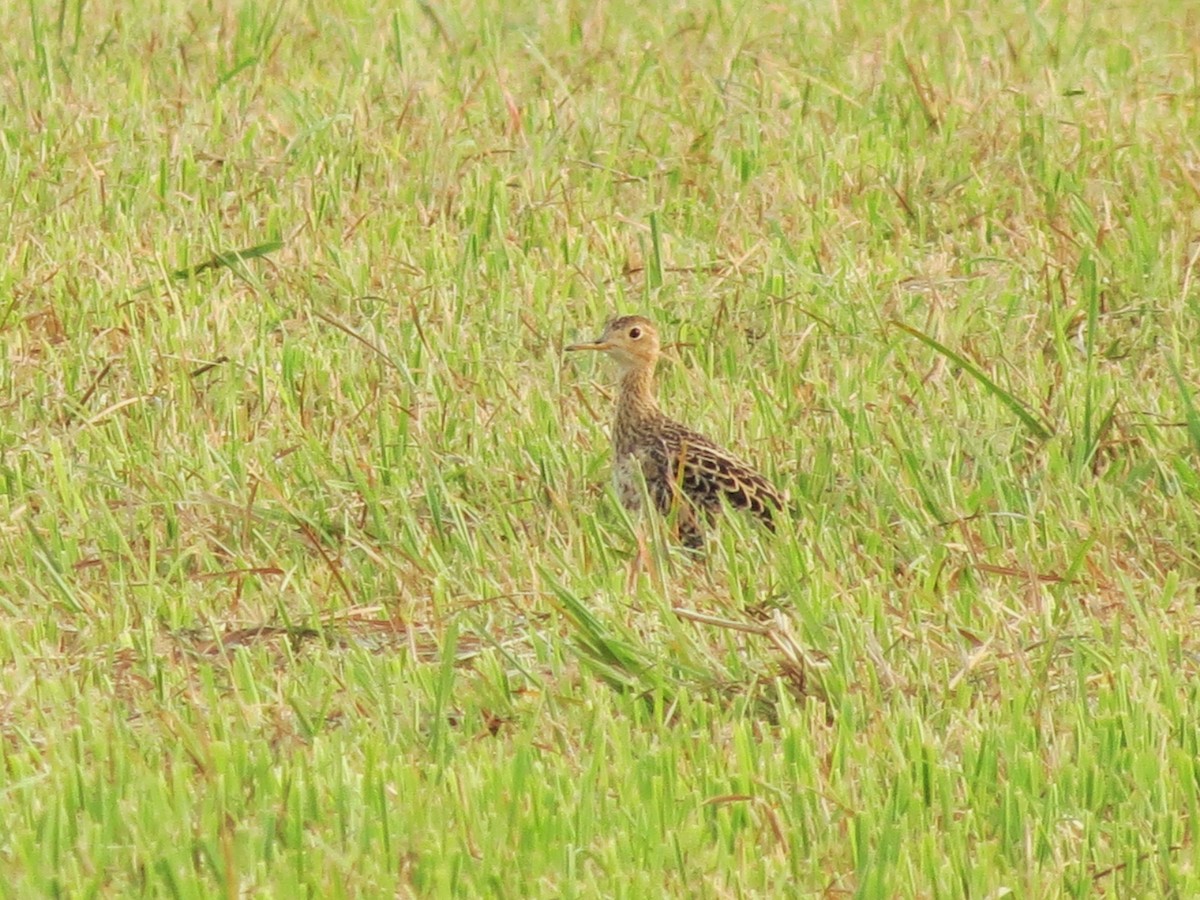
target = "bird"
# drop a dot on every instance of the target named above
(686, 476)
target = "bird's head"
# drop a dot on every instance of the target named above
(630, 340)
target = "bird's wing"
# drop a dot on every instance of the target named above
(708, 475)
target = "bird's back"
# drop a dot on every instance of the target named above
(678, 463)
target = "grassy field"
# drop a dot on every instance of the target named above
(311, 583)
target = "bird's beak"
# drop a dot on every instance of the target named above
(590, 345)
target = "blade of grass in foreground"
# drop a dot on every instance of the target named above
(617, 655)
(615, 660)
(1039, 428)
(1192, 417)
(227, 258)
(223, 259)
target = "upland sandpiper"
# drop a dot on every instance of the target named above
(686, 475)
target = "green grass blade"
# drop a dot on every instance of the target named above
(1191, 416)
(228, 258)
(1019, 409)
(597, 640)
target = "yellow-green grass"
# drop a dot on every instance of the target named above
(310, 579)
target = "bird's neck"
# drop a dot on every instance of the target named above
(637, 388)
(636, 404)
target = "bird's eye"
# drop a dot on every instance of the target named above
(635, 333)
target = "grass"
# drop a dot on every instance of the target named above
(310, 582)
